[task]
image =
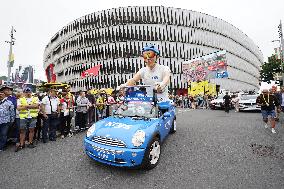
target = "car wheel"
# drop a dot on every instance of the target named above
(152, 154)
(174, 126)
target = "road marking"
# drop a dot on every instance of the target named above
(108, 177)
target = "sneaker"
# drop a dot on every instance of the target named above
(265, 126)
(70, 135)
(18, 148)
(31, 145)
(273, 131)
(62, 136)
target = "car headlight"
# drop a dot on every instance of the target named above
(91, 130)
(138, 138)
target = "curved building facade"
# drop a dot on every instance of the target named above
(114, 39)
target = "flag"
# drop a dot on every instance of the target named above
(11, 60)
(94, 71)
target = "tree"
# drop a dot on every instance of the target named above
(268, 69)
(3, 78)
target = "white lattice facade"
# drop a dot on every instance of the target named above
(114, 38)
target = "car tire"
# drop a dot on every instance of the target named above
(173, 127)
(153, 149)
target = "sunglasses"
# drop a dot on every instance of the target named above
(148, 55)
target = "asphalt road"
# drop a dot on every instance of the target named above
(211, 149)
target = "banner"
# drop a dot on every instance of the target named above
(11, 60)
(202, 88)
(206, 67)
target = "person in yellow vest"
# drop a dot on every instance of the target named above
(28, 107)
(100, 105)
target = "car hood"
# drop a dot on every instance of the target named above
(217, 101)
(121, 128)
(248, 101)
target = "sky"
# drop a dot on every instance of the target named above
(36, 21)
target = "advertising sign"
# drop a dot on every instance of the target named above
(206, 67)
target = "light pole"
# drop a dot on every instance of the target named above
(281, 58)
(280, 31)
(11, 42)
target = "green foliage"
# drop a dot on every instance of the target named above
(269, 68)
(3, 78)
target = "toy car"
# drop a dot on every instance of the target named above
(132, 137)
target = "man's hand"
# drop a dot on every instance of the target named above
(159, 87)
(44, 115)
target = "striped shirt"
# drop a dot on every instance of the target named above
(7, 112)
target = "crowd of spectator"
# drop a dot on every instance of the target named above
(27, 118)
(192, 102)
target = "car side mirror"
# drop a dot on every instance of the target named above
(166, 115)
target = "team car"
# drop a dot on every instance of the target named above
(248, 103)
(133, 135)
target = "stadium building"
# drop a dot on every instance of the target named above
(114, 39)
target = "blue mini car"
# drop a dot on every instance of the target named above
(132, 137)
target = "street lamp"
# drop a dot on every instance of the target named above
(281, 58)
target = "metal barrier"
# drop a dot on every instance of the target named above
(107, 111)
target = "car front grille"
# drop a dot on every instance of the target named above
(109, 141)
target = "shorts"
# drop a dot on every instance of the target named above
(266, 113)
(27, 123)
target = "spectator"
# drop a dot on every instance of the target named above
(82, 110)
(227, 102)
(39, 119)
(7, 116)
(111, 101)
(66, 116)
(13, 131)
(28, 107)
(50, 108)
(92, 101)
(100, 106)
(273, 91)
(17, 120)
(281, 98)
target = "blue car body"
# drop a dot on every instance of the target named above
(111, 141)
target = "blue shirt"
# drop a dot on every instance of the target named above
(13, 100)
(7, 112)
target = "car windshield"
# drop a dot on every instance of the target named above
(248, 97)
(137, 109)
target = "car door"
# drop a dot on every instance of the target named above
(165, 126)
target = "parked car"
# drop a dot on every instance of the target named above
(132, 137)
(218, 103)
(248, 103)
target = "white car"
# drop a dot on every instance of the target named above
(248, 103)
(217, 103)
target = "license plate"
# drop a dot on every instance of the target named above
(103, 155)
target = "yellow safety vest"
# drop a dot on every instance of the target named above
(33, 112)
